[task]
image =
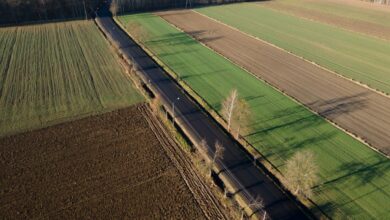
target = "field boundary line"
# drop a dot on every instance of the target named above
(266, 167)
(293, 98)
(320, 22)
(387, 95)
(183, 165)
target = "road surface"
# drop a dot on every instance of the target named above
(249, 180)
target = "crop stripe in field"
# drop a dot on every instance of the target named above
(282, 92)
(300, 57)
(90, 74)
(6, 65)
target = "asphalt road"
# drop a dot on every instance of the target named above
(248, 179)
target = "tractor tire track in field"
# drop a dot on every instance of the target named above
(210, 205)
(356, 109)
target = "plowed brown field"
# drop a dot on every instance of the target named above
(355, 108)
(111, 166)
(364, 27)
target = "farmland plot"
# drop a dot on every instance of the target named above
(354, 179)
(54, 72)
(94, 168)
(355, 56)
(337, 13)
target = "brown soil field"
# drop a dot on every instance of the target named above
(112, 166)
(355, 108)
(368, 28)
(362, 4)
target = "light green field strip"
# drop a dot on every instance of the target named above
(359, 57)
(355, 181)
(343, 10)
(52, 73)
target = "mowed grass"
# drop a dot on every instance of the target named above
(55, 72)
(355, 180)
(353, 55)
(342, 9)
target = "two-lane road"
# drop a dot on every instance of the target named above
(252, 182)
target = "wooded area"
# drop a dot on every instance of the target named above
(20, 11)
(145, 5)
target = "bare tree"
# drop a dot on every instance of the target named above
(301, 173)
(219, 151)
(42, 3)
(203, 144)
(114, 8)
(188, 2)
(228, 106)
(258, 205)
(241, 117)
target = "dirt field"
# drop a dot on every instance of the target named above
(355, 108)
(361, 26)
(363, 4)
(104, 167)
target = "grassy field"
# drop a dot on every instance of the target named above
(343, 10)
(354, 179)
(359, 57)
(54, 72)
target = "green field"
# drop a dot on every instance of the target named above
(55, 72)
(341, 9)
(354, 179)
(356, 56)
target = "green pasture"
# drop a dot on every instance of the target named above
(355, 180)
(55, 72)
(356, 56)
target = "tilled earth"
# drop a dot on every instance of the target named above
(357, 109)
(365, 27)
(103, 167)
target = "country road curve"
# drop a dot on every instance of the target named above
(353, 107)
(198, 125)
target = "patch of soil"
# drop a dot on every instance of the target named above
(360, 26)
(110, 166)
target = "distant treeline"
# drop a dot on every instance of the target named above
(383, 2)
(20, 11)
(145, 5)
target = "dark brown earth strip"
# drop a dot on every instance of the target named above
(110, 166)
(364, 27)
(355, 108)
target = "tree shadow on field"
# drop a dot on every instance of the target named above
(180, 39)
(205, 36)
(361, 173)
(335, 107)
